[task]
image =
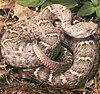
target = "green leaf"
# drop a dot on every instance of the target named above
(41, 2)
(46, 4)
(86, 9)
(31, 3)
(95, 2)
(98, 11)
(77, 0)
(68, 3)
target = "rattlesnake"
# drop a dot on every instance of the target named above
(34, 42)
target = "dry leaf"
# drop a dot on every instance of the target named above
(6, 4)
(2, 22)
(23, 12)
(98, 31)
(2, 73)
(19, 92)
(95, 91)
(90, 83)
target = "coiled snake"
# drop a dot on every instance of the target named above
(36, 42)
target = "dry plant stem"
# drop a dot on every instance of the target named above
(96, 85)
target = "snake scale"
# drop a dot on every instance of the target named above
(35, 42)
